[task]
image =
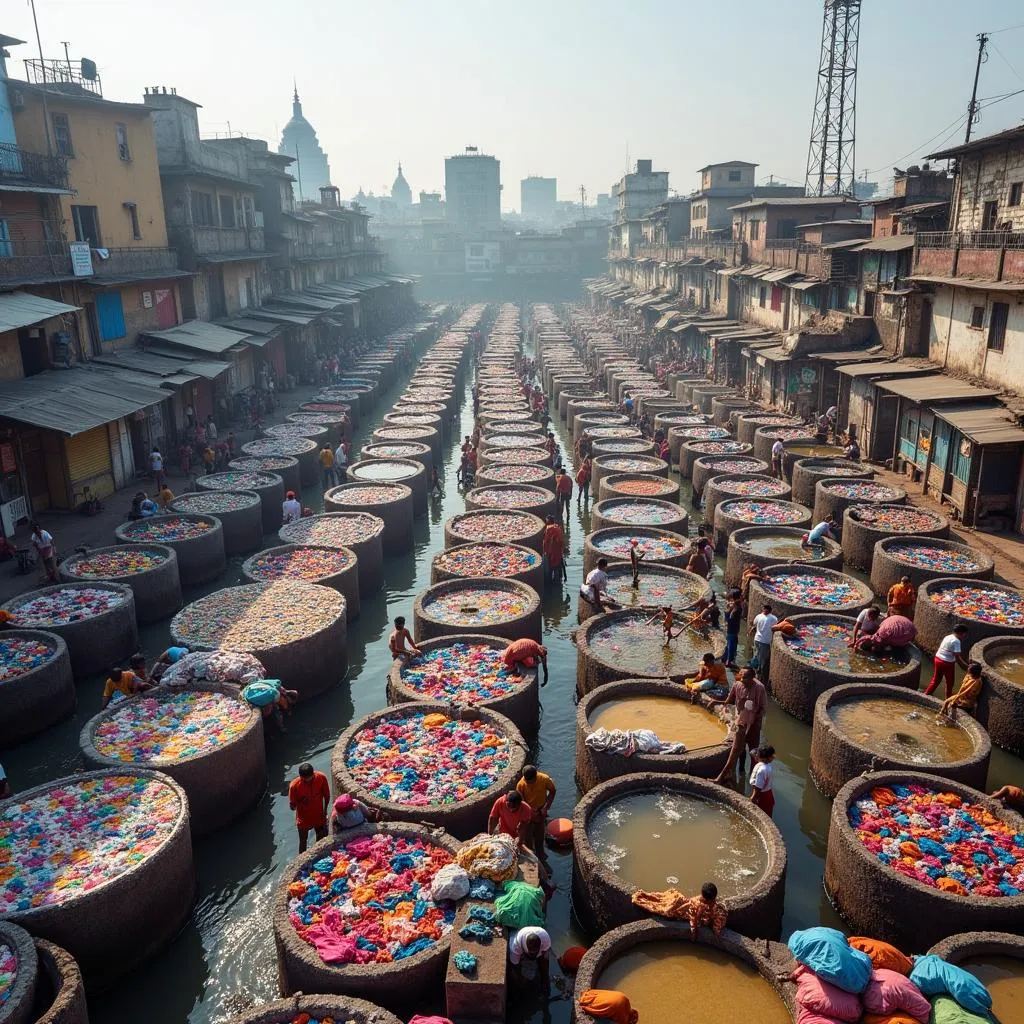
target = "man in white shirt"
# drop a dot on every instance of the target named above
(291, 509)
(46, 548)
(777, 449)
(867, 623)
(595, 586)
(761, 629)
(762, 779)
(341, 463)
(947, 657)
(529, 946)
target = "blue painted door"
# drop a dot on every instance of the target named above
(110, 315)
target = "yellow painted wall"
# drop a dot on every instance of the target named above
(98, 174)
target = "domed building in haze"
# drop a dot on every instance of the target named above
(400, 191)
(299, 140)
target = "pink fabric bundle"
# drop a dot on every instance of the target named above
(819, 1000)
(889, 992)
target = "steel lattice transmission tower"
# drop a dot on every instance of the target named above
(830, 156)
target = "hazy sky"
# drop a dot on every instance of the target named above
(561, 88)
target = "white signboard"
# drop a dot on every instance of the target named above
(81, 259)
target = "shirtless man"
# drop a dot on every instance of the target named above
(400, 636)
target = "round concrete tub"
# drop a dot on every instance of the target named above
(807, 590)
(311, 431)
(750, 486)
(807, 472)
(679, 437)
(269, 486)
(517, 473)
(300, 968)
(390, 503)
(335, 567)
(738, 513)
(337, 1008)
(704, 465)
(413, 450)
(19, 992)
(597, 766)
(489, 558)
(495, 526)
(37, 687)
(467, 669)
(660, 585)
(60, 991)
(339, 428)
(463, 818)
(151, 570)
(284, 466)
(833, 497)
(923, 559)
(1001, 703)
(223, 773)
(656, 546)
(516, 456)
(865, 525)
(538, 501)
(636, 485)
(626, 644)
(747, 426)
(723, 406)
(295, 629)
(974, 951)
(666, 421)
(240, 514)
(630, 512)
(704, 395)
(485, 604)
(95, 620)
(817, 659)
(301, 448)
(603, 899)
(771, 545)
(427, 435)
(533, 430)
(985, 608)
(408, 472)
(876, 900)
(765, 438)
(134, 908)
(358, 532)
(614, 465)
(621, 446)
(336, 408)
(837, 756)
(198, 542)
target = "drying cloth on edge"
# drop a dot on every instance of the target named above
(520, 905)
(631, 741)
(493, 857)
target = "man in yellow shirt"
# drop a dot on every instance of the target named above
(901, 598)
(164, 498)
(327, 465)
(127, 682)
(538, 790)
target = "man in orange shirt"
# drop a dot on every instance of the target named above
(525, 652)
(309, 796)
(901, 598)
(511, 815)
(553, 546)
(563, 492)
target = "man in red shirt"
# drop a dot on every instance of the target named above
(309, 796)
(553, 546)
(563, 491)
(511, 815)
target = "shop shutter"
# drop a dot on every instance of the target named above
(88, 458)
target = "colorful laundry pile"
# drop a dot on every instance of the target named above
(338, 530)
(215, 667)
(641, 513)
(467, 673)
(863, 490)
(258, 616)
(63, 605)
(370, 494)
(287, 430)
(506, 441)
(19, 655)
(679, 419)
(396, 451)
(78, 835)
(805, 588)
(426, 419)
(763, 513)
(659, 586)
(624, 447)
(427, 760)
(386, 469)
(771, 421)
(597, 432)
(895, 518)
(503, 560)
(322, 419)
(505, 496)
(212, 502)
(764, 488)
(123, 561)
(279, 446)
(328, 407)
(981, 602)
(720, 447)
(641, 485)
(235, 481)
(828, 643)
(837, 471)
(941, 840)
(167, 529)
(928, 556)
(503, 456)
(789, 434)
(517, 473)
(265, 462)
(732, 465)
(494, 526)
(403, 433)
(618, 543)
(161, 730)
(703, 433)
(300, 563)
(622, 464)
(491, 857)
(637, 645)
(8, 972)
(476, 605)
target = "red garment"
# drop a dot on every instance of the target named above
(563, 484)
(509, 820)
(553, 544)
(308, 798)
(945, 672)
(766, 801)
(519, 651)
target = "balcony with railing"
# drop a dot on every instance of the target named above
(208, 241)
(24, 169)
(972, 255)
(134, 260)
(65, 75)
(40, 260)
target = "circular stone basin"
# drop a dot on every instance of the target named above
(755, 485)
(793, 589)
(297, 630)
(335, 567)
(865, 525)
(37, 687)
(594, 432)
(986, 609)
(19, 966)
(391, 503)
(430, 762)
(769, 545)
(652, 963)
(206, 739)
(616, 542)
(736, 513)
(301, 448)
(613, 465)
(663, 515)
(1001, 702)
(500, 607)
(635, 485)
(101, 864)
(503, 441)
(657, 831)
(421, 453)
(747, 426)
(466, 669)
(765, 438)
(626, 644)
(198, 541)
(648, 704)
(922, 559)
(921, 877)
(538, 500)
(269, 486)
(284, 466)
(807, 472)
(240, 514)
(509, 561)
(869, 726)
(359, 532)
(680, 436)
(517, 456)
(493, 525)
(326, 877)
(316, 1010)
(997, 960)
(703, 467)
(409, 472)
(517, 473)
(832, 497)
(660, 585)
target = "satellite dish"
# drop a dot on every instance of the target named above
(88, 69)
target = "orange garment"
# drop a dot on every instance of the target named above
(553, 544)
(519, 652)
(715, 672)
(509, 820)
(563, 484)
(711, 915)
(613, 1006)
(890, 1018)
(950, 885)
(1014, 796)
(967, 695)
(309, 799)
(882, 954)
(669, 903)
(901, 596)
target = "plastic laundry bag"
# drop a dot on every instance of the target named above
(826, 952)
(450, 883)
(936, 977)
(520, 905)
(946, 1010)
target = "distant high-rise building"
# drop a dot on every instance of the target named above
(298, 140)
(400, 191)
(537, 198)
(638, 193)
(472, 191)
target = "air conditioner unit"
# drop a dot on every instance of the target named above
(17, 99)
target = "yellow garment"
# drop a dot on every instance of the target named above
(326, 458)
(536, 793)
(493, 857)
(670, 903)
(435, 720)
(124, 684)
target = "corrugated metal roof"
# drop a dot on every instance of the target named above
(776, 354)
(966, 282)
(780, 275)
(756, 270)
(250, 325)
(282, 315)
(984, 424)
(894, 243)
(19, 309)
(896, 368)
(858, 355)
(729, 271)
(304, 299)
(200, 336)
(937, 388)
(802, 286)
